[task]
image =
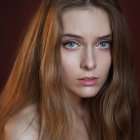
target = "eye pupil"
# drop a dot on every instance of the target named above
(104, 44)
(71, 44)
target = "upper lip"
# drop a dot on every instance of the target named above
(88, 78)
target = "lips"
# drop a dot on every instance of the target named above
(88, 81)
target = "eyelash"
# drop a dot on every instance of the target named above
(65, 44)
(106, 42)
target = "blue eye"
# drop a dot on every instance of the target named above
(104, 44)
(70, 44)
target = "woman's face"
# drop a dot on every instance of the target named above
(85, 50)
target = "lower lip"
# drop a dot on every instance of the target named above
(88, 82)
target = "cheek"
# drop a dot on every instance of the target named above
(67, 64)
(69, 61)
(105, 62)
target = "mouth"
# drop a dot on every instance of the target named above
(88, 81)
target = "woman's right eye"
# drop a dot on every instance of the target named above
(70, 45)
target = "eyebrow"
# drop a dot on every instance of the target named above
(108, 36)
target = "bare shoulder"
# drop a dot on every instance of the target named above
(23, 126)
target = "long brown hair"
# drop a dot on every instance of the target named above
(36, 78)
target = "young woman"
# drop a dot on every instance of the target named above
(72, 79)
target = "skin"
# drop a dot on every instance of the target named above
(23, 126)
(85, 50)
(85, 55)
(85, 58)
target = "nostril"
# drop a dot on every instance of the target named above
(88, 65)
(88, 60)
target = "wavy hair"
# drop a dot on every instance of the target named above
(36, 78)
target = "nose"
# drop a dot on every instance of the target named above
(88, 61)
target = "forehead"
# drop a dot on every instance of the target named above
(90, 21)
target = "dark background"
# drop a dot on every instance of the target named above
(16, 14)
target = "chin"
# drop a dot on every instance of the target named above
(87, 95)
(89, 92)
